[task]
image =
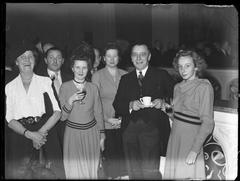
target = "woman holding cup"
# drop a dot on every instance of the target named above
(84, 136)
(107, 80)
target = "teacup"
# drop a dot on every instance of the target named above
(146, 101)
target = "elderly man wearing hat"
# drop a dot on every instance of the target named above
(28, 97)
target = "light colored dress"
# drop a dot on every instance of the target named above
(114, 164)
(107, 90)
(193, 102)
(82, 134)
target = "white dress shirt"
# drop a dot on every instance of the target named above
(143, 71)
(20, 103)
(53, 74)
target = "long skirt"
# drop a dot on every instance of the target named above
(179, 145)
(81, 153)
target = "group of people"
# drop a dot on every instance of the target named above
(73, 121)
(217, 54)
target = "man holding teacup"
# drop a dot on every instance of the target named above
(145, 127)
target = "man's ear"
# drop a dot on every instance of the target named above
(62, 60)
(45, 60)
(104, 59)
(149, 57)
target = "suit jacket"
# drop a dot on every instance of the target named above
(157, 83)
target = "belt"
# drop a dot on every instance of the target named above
(29, 120)
(186, 118)
(81, 126)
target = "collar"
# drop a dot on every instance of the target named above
(52, 73)
(8, 68)
(143, 71)
(187, 85)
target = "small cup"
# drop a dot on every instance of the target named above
(146, 101)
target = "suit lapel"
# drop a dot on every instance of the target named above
(133, 82)
(147, 76)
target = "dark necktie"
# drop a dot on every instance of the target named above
(56, 83)
(140, 82)
(54, 91)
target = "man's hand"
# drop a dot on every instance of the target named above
(157, 103)
(136, 105)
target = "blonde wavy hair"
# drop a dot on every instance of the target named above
(198, 61)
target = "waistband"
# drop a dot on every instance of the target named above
(29, 120)
(187, 118)
(81, 126)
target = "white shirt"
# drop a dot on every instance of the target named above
(52, 74)
(143, 71)
(20, 103)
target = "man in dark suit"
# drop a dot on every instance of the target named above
(145, 129)
(54, 60)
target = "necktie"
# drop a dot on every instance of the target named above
(54, 90)
(140, 79)
(56, 83)
(140, 82)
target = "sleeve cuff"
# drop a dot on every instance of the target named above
(102, 131)
(67, 108)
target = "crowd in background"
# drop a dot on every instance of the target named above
(216, 54)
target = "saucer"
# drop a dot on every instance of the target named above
(149, 105)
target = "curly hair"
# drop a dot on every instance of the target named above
(198, 61)
(83, 52)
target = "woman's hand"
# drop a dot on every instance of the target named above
(115, 122)
(102, 144)
(37, 137)
(37, 145)
(76, 97)
(191, 158)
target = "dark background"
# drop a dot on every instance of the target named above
(65, 24)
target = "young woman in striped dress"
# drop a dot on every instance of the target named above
(82, 112)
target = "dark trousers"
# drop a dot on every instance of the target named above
(141, 147)
(114, 163)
